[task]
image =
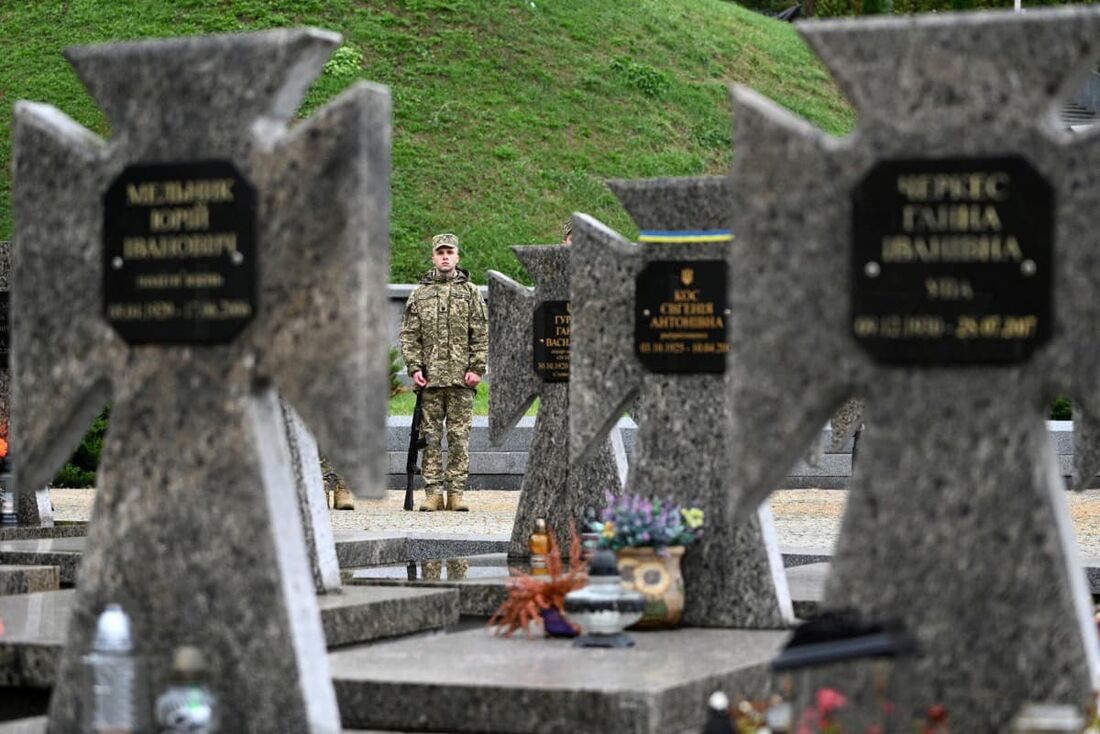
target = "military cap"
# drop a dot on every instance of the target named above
(444, 240)
(567, 228)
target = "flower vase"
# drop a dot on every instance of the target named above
(554, 623)
(657, 577)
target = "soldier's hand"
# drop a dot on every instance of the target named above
(472, 379)
(418, 379)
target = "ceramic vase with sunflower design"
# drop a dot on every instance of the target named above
(656, 576)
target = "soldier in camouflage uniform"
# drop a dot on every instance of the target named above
(445, 335)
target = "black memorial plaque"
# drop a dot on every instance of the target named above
(179, 255)
(681, 314)
(952, 261)
(551, 330)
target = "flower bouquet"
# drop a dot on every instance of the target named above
(540, 600)
(649, 537)
(633, 521)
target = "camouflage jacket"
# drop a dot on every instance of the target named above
(445, 329)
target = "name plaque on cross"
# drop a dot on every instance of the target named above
(179, 253)
(681, 316)
(952, 261)
(552, 324)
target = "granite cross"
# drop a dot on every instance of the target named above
(33, 506)
(529, 357)
(939, 262)
(202, 258)
(650, 319)
(309, 482)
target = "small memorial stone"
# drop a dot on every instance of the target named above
(530, 349)
(938, 263)
(650, 320)
(276, 286)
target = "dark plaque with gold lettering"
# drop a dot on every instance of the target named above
(179, 255)
(680, 317)
(952, 261)
(552, 323)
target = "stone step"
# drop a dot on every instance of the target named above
(30, 532)
(35, 624)
(521, 685)
(37, 725)
(29, 579)
(353, 549)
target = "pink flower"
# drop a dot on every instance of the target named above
(829, 700)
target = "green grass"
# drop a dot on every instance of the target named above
(509, 114)
(403, 403)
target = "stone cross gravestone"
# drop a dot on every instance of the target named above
(529, 356)
(651, 320)
(31, 507)
(940, 263)
(202, 258)
(312, 503)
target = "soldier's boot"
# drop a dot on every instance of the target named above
(343, 498)
(433, 502)
(455, 503)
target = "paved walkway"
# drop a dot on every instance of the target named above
(803, 517)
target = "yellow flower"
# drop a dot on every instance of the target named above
(608, 529)
(693, 517)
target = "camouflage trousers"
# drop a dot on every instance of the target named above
(455, 405)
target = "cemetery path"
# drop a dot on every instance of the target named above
(804, 518)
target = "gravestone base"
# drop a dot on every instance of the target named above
(28, 579)
(57, 530)
(35, 625)
(353, 549)
(37, 725)
(34, 508)
(521, 685)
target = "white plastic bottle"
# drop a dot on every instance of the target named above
(112, 676)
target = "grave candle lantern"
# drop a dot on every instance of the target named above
(825, 679)
(605, 607)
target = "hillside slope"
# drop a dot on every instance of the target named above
(509, 114)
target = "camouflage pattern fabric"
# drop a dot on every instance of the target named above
(456, 405)
(445, 329)
(333, 481)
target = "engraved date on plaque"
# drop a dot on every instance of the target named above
(952, 261)
(681, 316)
(552, 326)
(179, 253)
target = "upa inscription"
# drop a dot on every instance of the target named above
(952, 261)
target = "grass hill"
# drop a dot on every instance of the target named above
(509, 114)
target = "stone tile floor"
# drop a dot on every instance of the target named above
(805, 518)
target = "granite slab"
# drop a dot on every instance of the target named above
(353, 549)
(478, 682)
(481, 581)
(37, 725)
(28, 579)
(57, 530)
(64, 553)
(35, 624)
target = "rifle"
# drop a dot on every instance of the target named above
(417, 441)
